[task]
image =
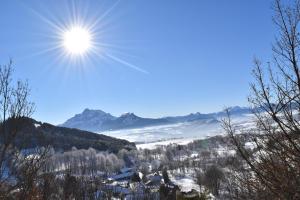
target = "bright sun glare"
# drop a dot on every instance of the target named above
(77, 40)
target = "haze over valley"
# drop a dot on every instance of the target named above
(165, 130)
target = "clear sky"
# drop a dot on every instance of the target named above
(153, 58)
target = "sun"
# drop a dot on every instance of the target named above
(77, 40)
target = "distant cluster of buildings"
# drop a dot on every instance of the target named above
(128, 185)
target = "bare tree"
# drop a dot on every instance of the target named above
(18, 168)
(212, 179)
(273, 169)
(199, 179)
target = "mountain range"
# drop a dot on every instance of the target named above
(98, 120)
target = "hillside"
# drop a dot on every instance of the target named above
(33, 133)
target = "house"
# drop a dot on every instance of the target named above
(154, 181)
(124, 174)
(126, 169)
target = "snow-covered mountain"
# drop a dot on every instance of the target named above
(90, 120)
(98, 120)
(235, 110)
(130, 120)
(188, 118)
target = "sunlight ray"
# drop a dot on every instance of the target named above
(104, 14)
(49, 22)
(76, 49)
(127, 63)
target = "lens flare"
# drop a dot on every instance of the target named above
(77, 40)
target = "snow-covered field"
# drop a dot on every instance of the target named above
(186, 183)
(153, 145)
(180, 133)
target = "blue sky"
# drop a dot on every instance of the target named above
(197, 54)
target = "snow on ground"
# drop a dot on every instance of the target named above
(153, 145)
(222, 151)
(180, 133)
(250, 145)
(36, 125)
(186, 183)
